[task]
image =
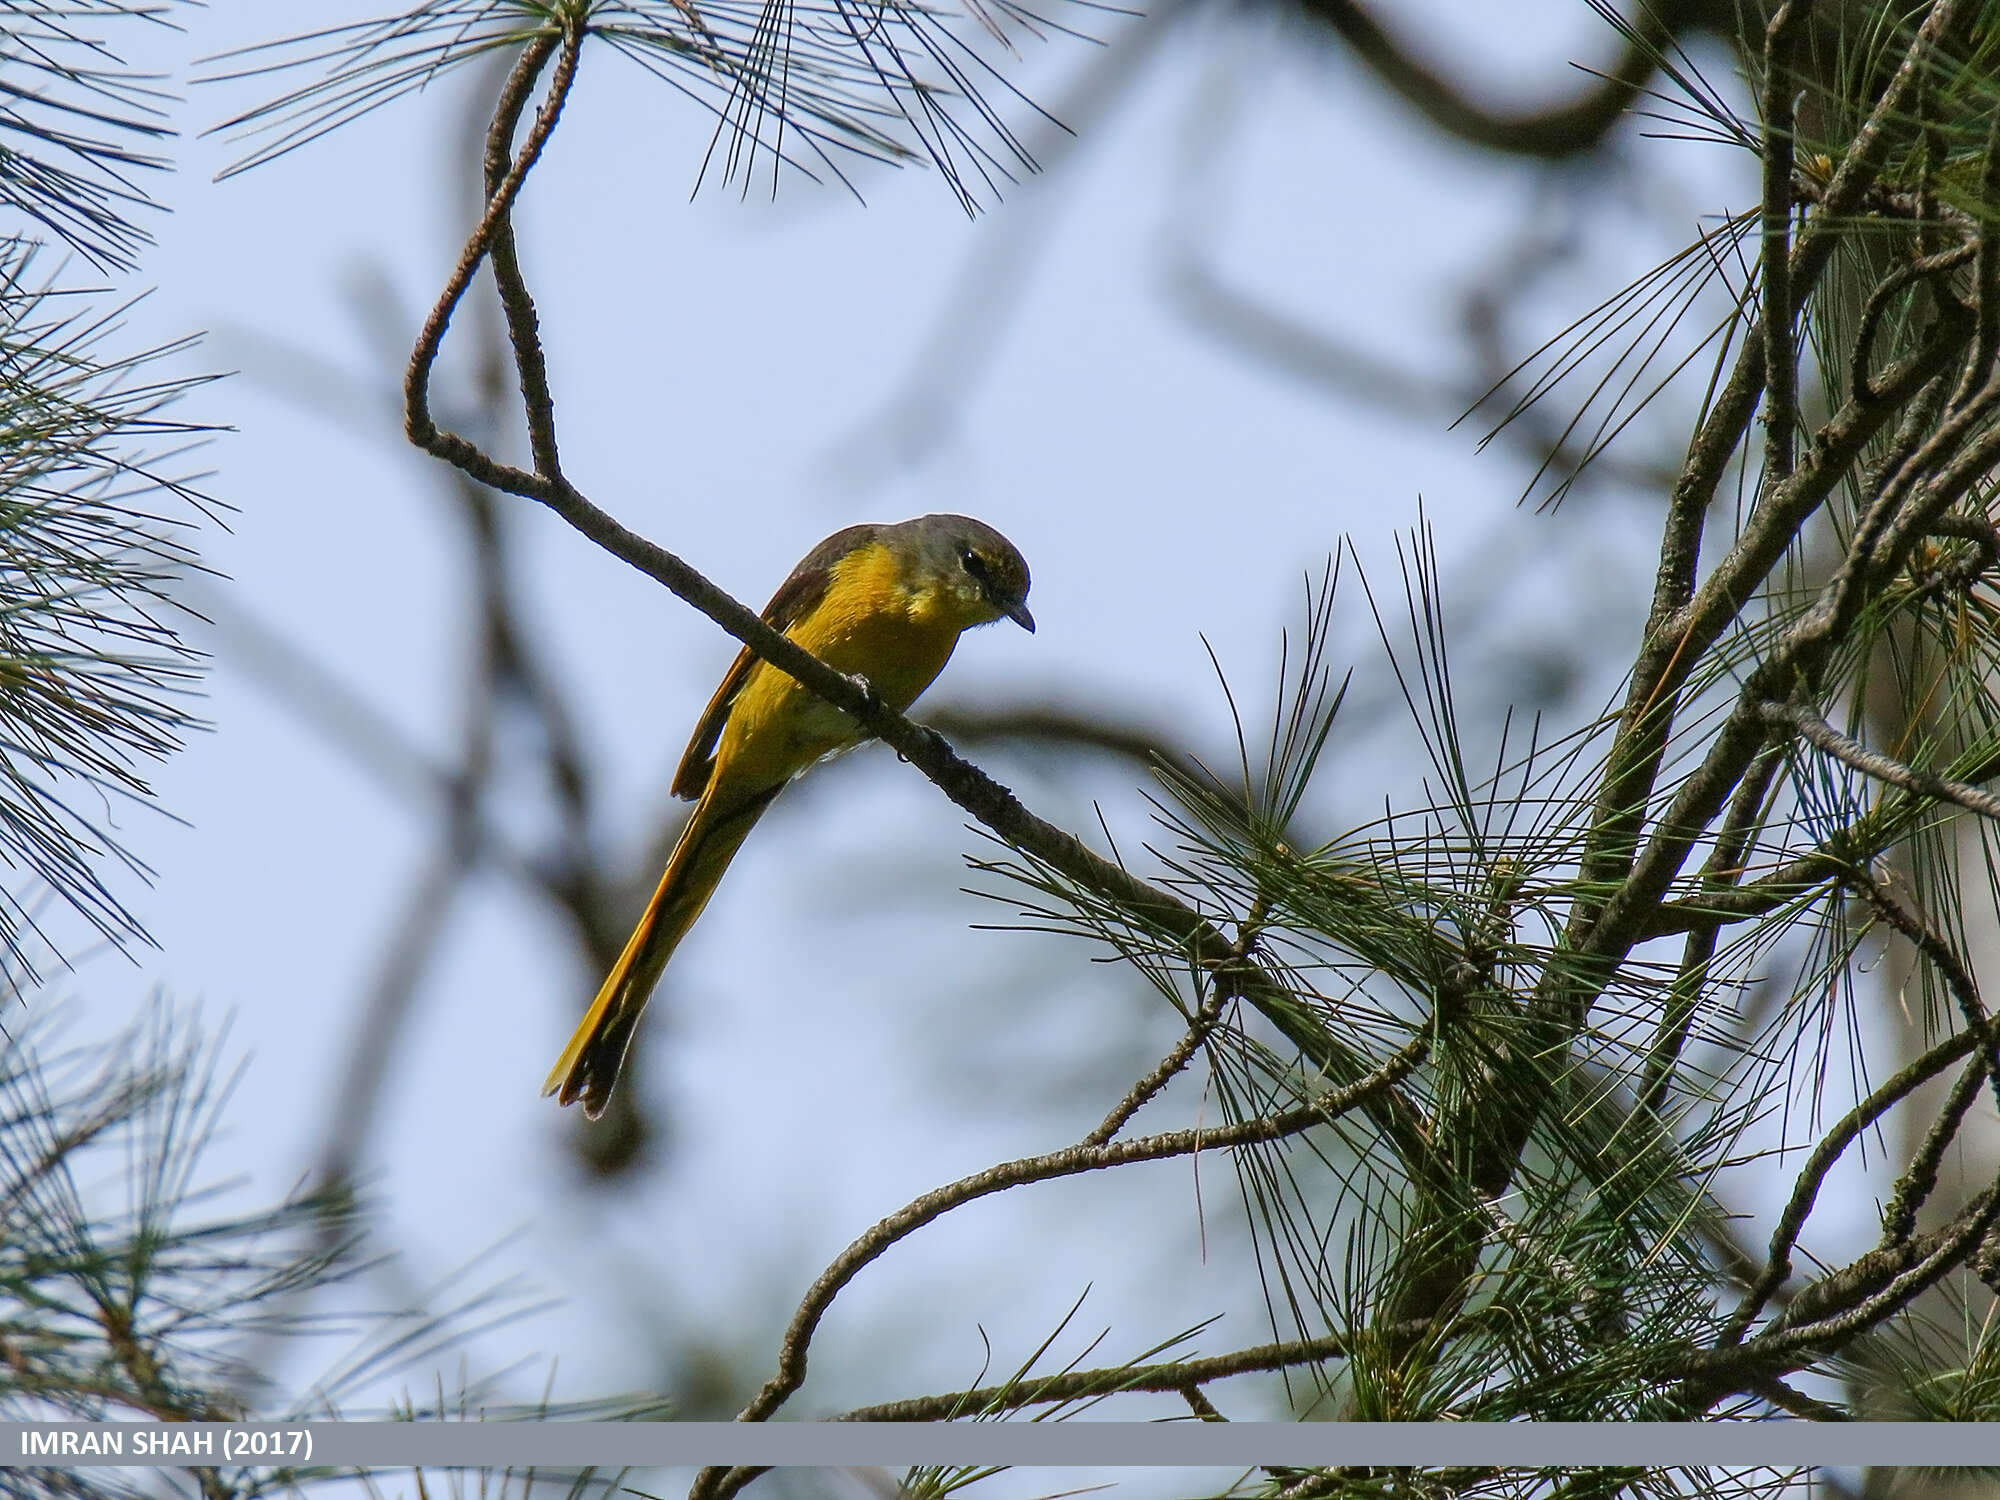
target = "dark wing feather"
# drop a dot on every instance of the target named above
(796, 596)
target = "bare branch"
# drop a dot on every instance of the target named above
(1176, 1059)
(1186, 1376)
(1877, 306)
(1200, 1405)
(1915, 1184)
(1797, 1402)
(1823, 736)
(418, 423)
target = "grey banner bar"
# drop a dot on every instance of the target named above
(896, 1445)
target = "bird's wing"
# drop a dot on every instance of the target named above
(796, 597)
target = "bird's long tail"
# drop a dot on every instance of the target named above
(589, 1065)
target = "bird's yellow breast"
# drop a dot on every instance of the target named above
(872, 620)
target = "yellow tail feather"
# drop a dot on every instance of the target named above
(589, 1065)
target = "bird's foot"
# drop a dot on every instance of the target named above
(866, 689)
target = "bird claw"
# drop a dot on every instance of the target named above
(865, 688)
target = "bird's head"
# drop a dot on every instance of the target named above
(979, 570)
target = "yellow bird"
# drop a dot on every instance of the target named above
(886, 602)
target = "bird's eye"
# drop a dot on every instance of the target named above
(973, 562)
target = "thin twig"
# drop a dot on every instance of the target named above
(1797, 1402)
(1823, 736)
(1861, 164)
(1186, 1376)
(1144, 1090)
(1877, 307)
(1842, 856)
(504, 177)
(1920, 1177)
(1957, 977)
(1200, 1405)
(1917, 1181)
(421, 428)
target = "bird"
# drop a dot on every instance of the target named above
(885, 602)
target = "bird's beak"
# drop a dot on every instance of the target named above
(1018, 613)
